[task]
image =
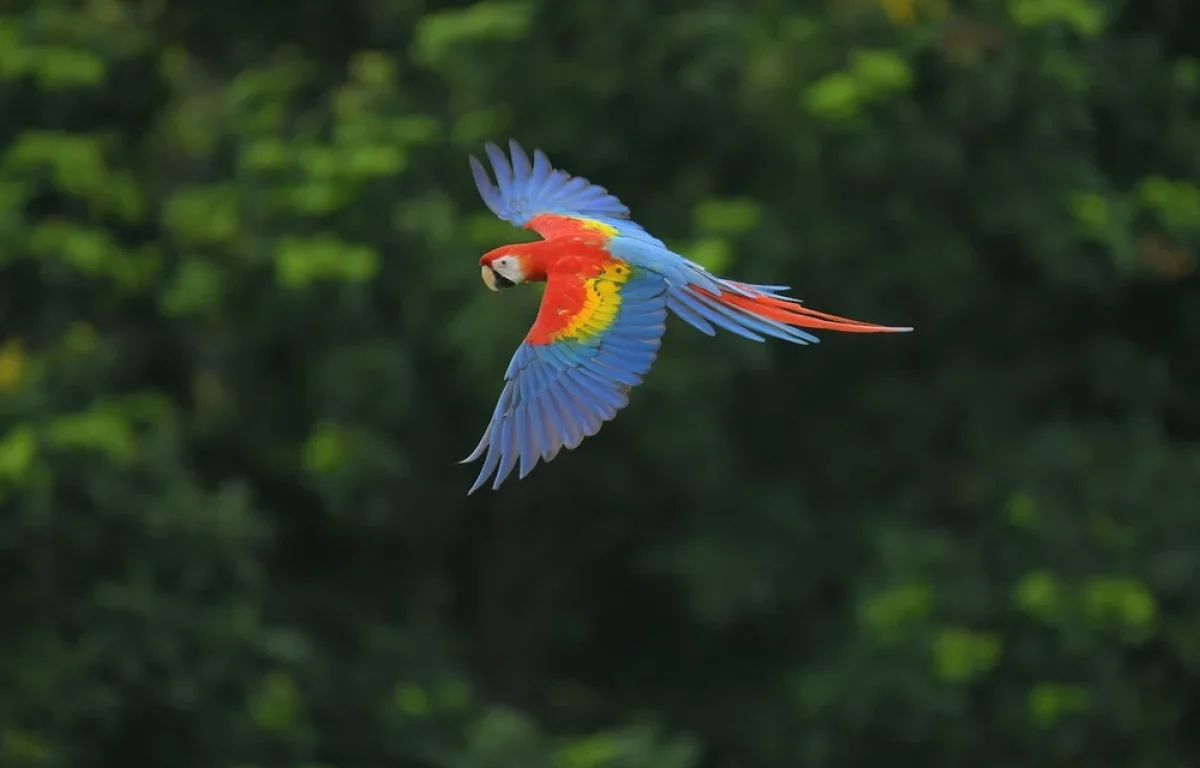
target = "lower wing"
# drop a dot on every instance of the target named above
(708, 302)
(596, 335)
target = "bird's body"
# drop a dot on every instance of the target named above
(609, 287)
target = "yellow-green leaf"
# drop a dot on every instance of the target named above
(412, 700)
(18, 449)
(885, 612)
(12, 364)
(326, 449)
(274, 706)
(1038, 594)
(962, 655)
(1049, 702)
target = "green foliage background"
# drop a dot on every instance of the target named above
(243, 343)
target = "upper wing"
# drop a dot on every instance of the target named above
(551, 202)
(595, 337)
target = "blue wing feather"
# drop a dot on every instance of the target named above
(524, 189)
(557, 394)
(705, 313)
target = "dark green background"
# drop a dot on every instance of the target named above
(243, 342)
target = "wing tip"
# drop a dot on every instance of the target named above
(521, 171)
(478, 170)
(484, 475)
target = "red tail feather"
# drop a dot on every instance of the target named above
(790, 313)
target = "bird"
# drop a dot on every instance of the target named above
(609, 286)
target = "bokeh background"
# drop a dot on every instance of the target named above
(243, 342)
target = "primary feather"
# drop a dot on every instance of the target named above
(609, 286)
(526, 190)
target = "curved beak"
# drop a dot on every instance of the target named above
(494, 280)
(489, 277)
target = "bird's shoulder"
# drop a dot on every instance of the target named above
(580, 255)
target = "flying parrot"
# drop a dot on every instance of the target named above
(609, 286)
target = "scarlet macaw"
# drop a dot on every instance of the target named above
(609, 284)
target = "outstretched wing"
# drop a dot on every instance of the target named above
(596, 335)
(537, 196)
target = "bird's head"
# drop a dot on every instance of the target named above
(503, 268)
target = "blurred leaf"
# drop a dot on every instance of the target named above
(1084, 17)
(1176, 203)
(1049, 702)
(835, 96)
(103, 428)
(1022, 511)
(880, 72)
(1125, 601)
(594, 752)
(300, 262)
(12, 364)
(727, 217)
(326, 449)
(506, 738)
(440, 34)
(1038, 594)
(962, 655)
(887, 612)
(196, 288)
(412, 700)
(23, 748)
(61, 67)
(274, 706)
(203, 215)
(18, 449)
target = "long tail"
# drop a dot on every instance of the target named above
(755, 311)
